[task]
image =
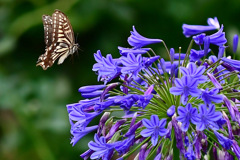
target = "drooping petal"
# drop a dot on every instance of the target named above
(137, 41)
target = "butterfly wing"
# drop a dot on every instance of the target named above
(47, 24)
(59, 39)
(45, 59)
(64, 37)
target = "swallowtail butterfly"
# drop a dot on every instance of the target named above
(59, 39)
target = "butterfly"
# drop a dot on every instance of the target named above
(59, 39)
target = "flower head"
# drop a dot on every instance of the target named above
(193, 94)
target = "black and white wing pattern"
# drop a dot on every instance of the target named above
(59, 39)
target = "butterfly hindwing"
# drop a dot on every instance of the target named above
(59, 39)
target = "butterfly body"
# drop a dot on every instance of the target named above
(59, 39)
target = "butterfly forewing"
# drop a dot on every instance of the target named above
(60, 43)
(47, 24)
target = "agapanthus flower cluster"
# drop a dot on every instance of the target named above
(185, 106)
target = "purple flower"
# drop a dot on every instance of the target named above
(182, 56)
(190, 153)
(199, 39)
(169, 128)
(185, 115)
(185, 86)
(149, 61)
(154, 129)
(125, 102)
(102, 149)
(172, 52)
(125, 51)
(194, 72)
(235, 43)
(221, 50)
(125, 145)
(217, 38)
(224, 141)
(142, 153)
(158, 156)
(178, 135)
(236, 148)
(81, 117)
(86, 154)
(214, 81)
(230, 132)
(231, 62)
(163, 66)
(230, 108)
(189, 30)
(115, 127)
(78, 132)
(196, 55)
(209, 96)
(171, 111)
(90, 88)
(132, 65)
(143, 100)
(132, 129)
(92, 94)
(207, 117)
(137, 41)
(101, 125)
(107, 68)
(100, 106)
(107, 89)
(206, 45)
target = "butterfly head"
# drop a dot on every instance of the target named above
(75, 48)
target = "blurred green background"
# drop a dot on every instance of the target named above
(33, 116)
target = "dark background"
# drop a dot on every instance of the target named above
(33, 117)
